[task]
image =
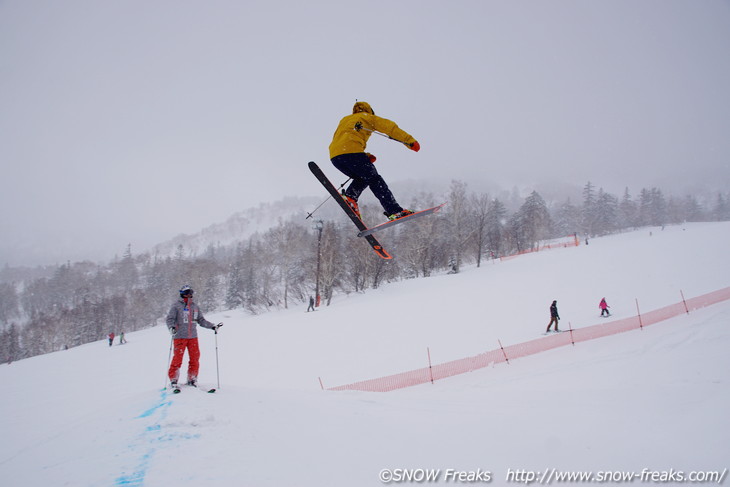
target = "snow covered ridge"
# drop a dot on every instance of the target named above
(570, 336)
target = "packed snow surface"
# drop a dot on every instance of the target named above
(655, 399)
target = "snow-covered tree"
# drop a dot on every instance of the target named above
(567, 219)
(496, 221)
(532, 222)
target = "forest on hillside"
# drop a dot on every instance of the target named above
(83, 302)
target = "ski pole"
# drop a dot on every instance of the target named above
(217, 370)
(169, 357)
(359, 126)
(311, 214)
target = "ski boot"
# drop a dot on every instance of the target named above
(352, 203)
(399, 214)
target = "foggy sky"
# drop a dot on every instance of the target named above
(134, 121)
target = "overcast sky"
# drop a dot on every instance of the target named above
(134, 121)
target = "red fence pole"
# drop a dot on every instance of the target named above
(430, 369)
(503, 352)
(571, 334)
(684, 301)
(641, 325)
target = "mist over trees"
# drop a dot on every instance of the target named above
(83, 302)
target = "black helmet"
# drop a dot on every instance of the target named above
(186, 291)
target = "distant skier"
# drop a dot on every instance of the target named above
(122, 340)
(181, 321)
(311, 304)
(111, 338)
(554, 316)
(347, 152)
(604, 307)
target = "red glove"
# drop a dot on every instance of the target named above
(371, 157)
(415, 146)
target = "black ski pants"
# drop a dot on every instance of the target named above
(364, 175)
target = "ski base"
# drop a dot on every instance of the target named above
(397, 221)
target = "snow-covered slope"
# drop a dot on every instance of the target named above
(655, 399)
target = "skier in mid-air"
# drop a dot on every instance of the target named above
(181, 321)
(347, 153)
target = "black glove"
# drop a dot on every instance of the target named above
(217, 326)
(173, 330)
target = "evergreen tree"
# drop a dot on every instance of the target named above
(658, 207)
(628, 213)
(127, 274)
(9, 304)
(532, 222)
(236, 289)
(567, 219)
(605, 213)
(644, 210)
(496, 220)
(721, 211)
(589, 216)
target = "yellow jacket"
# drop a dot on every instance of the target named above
(354, 130)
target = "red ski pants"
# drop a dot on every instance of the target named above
(180, 344)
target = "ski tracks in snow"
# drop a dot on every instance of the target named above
(166, 427)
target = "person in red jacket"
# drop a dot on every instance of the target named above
(604, 307)
(111, 338)
(182, 321)
(347, 153)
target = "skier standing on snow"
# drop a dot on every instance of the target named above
(554, 316)
(604, 307)
(181, 321)
(111, 338)
(347, 153)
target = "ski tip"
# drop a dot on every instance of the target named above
(211, 391)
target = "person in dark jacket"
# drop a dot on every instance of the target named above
(554, 316)
(181, 321)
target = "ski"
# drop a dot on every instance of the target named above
(348, 211)
(209, 391)
(412, 216)
(176, 390)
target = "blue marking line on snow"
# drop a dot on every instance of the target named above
(152, 436)
(152, 410)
